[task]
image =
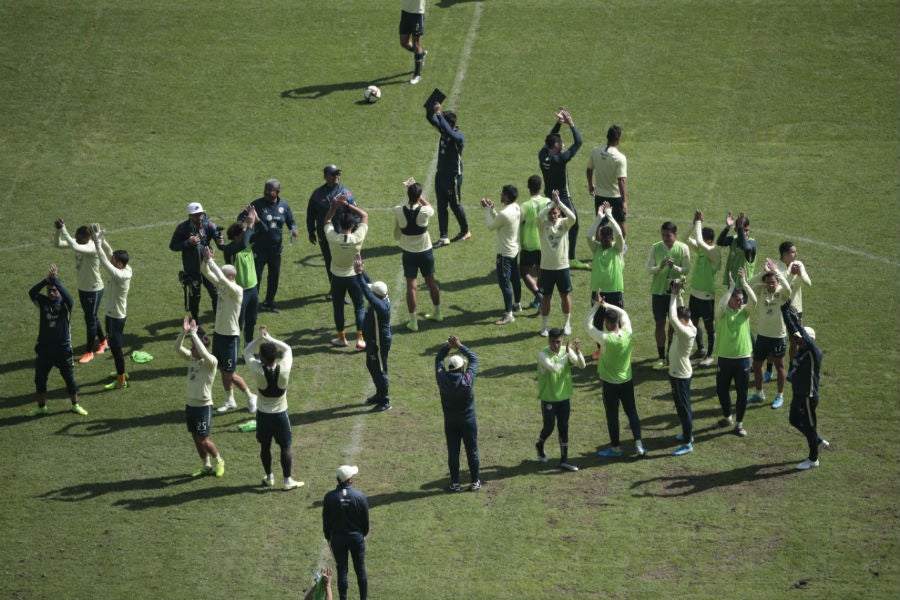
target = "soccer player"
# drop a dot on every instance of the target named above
(795, 272)
(272, 375)
(456, 383)
(554, 159)
(345, 523)
(227, 336)
(734, 348)
(377, 335)
(119, 282)
(191, 238)
(608, 265)
(773, 292)
(345, 245)
(506, 223)
(669, 260)
(741, 249)
(554, 229)
(449, 177)
(614, 368)
(90, 284)
(54, 342)
(554, 376)
(198, 396)
(412, 28)
(411, 231)
(680, 369)
(530, 238)
(607, 170)
(318, 206)
(805, 386)
(272, 214)
(702, 303)
(239, 252)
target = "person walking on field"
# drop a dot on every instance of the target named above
(412, 28)
(456, 383)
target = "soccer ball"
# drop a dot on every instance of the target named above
(372, 94)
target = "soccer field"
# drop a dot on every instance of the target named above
(124, 112)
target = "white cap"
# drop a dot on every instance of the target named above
(345, 472)
(810, 332)
(379, 288)
(456, 362)
(194, 208)
(229, 271)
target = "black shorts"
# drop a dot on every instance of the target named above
(661, 307)
(558, 278)
(702, 309)
(273, 425)
(528, 259)
(198, 419)
(618, 207)
(767, 346)
(412, 24)
(413, 262)
(225, 348)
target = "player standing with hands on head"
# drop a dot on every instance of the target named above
(412, 28)
(318, 207)
(553, 159)
(456, 383)
(54, 342)
(554, 223)
(411, 231)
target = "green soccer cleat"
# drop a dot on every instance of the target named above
(76, 408)
(116, 385)
(38, 410)
(220, 468)
(206, 470)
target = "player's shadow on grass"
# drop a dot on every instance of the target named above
(319, 90)
(206, 493)
(90, 491)
(95, 427)
(689, 484)
(309, 417)
(468, 285)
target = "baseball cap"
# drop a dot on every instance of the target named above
(810, 332)
(229, 271)
(194, 208)
(456, 362)
(345, 472)
(379, 288)
(332, 170)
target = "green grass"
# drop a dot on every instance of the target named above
(123, 114)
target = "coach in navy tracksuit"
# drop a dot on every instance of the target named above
(805, 385)
(457, 387)
(376, 332)
(345, 522)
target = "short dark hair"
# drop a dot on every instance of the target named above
(611, 315)
(235, 230)
(345, 220)
(768, 274)
(83, 231)
(613, 134)
(511, 192)
(683, 312)
(669, 226)
(535, 183)
(414, 192)
(552, 139)
(785, 247)
(606, 231)
(708, 233)
(121, 256)
(268, 352)
(450, 117)
(555, 333)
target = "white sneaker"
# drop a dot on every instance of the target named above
(567, 330)
(360, 345)
(251, 403)
(507, 318)
(707, 362)
(808, 464)
(567, 466)
(639, 449)
(824, 445)
(269, 480)
(415, 80)
(290, 484)
(227, 406)
(543, 332)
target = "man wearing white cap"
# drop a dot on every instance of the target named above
(345, 523)
(376, 334)
(191, 237)
(805, 386)
(456, 383)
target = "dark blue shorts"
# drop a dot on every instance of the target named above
(225, 348)
(273, 425)
(529, 258)
(198, 419)
(413, 262)
(558, 278)
(767, 346)
(702, 309)
(412, 24)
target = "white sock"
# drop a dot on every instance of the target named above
(566, 317)
(544, 320)
(229, 396)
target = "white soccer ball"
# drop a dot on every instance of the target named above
(372, 94)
